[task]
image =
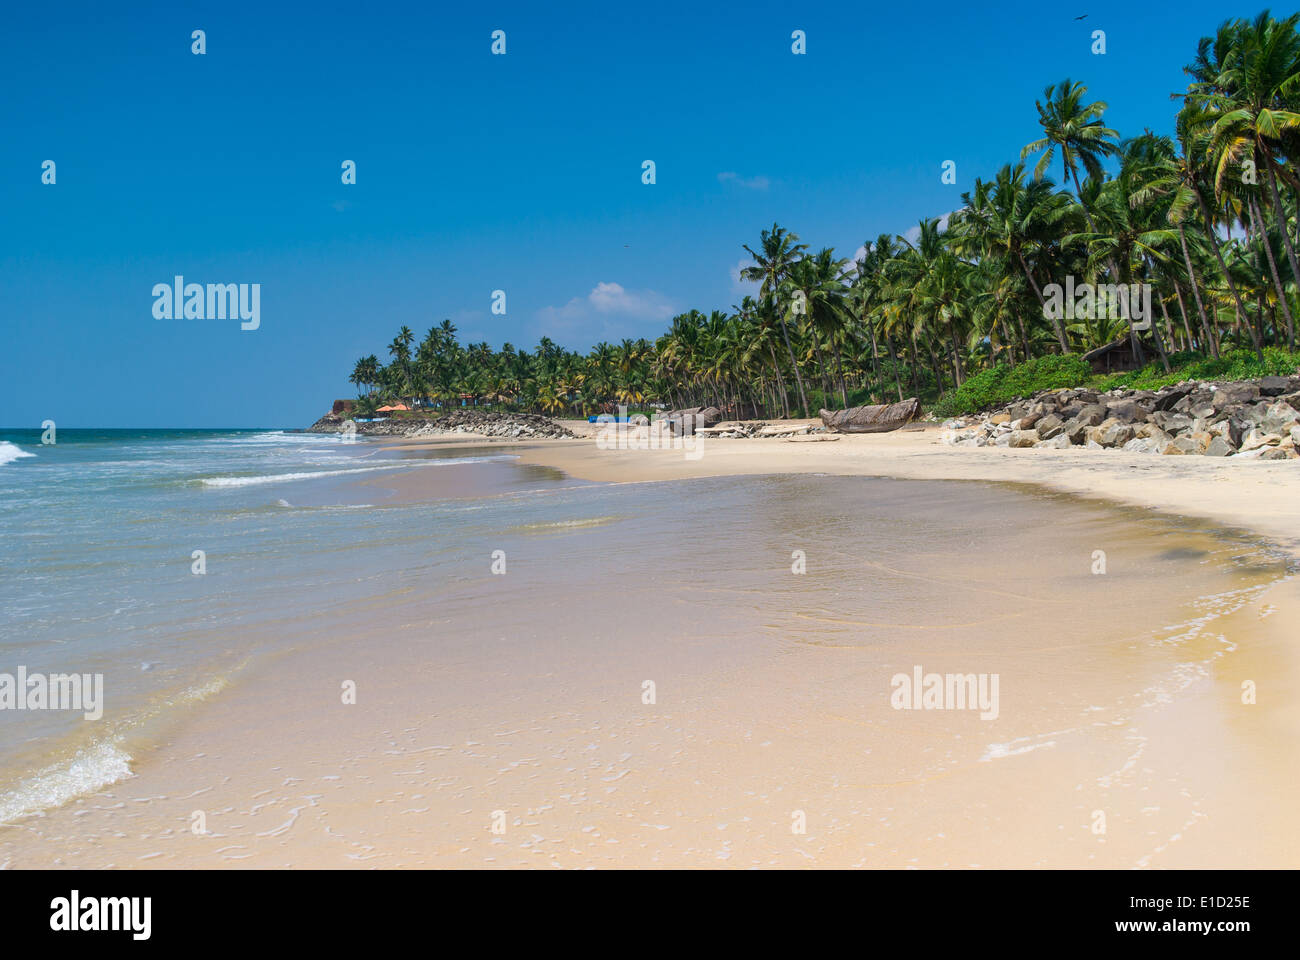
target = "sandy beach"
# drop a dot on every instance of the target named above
(1263, 497)
(503, 721)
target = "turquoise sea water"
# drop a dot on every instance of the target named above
(97, 569)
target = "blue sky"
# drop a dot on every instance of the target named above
(478, 172)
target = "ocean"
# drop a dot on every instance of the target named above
(100, 573)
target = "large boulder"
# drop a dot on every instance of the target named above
(1112, 433)
(1276, 386)
(1049, 426)
(876, 418)
(1092, 415)
(1169, 396)
(685, 422)
(1231, 394)
(1220, 447)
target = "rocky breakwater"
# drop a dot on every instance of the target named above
(1254, 419)
(510, 426)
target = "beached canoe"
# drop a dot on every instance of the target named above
(877, 418)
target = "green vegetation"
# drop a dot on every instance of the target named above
(1235, 365)
(1207, 220)
(1004, 383)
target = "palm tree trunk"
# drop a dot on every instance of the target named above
(1196, 292)
(821, 362)
(1261, 232)
(839, 371)
(1280, 212)
(934, 366)
(1155, 329)
(956, 358)
(1056, 321)
(803, 399)
(875, 357)
(893, 358)
(1182, 308)
(785, 395)
(1223, 265)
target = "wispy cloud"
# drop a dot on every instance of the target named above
(913, 234)
(747, 183)
(738, 283)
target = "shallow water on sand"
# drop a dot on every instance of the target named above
(666, 674)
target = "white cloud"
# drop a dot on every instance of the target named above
(913, 234)
(748, 183)
(608, 312)
(738, 283)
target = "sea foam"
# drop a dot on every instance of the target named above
(91, 769)
(10, 452)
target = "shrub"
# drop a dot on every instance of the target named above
(1234, 365)
(1002, 383)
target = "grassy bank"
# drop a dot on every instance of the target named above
(1002, 384)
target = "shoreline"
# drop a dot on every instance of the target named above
(1259, 496)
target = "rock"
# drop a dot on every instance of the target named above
(1186, 446)
(1257, 438)
(1144, 445)
(1229, 430)
(1058, 442)
(1125, 411)
(1147, 431)
(1023, 438)
(1276, 386)
(1219, 447)
(1232, 394)
(1091, 415)
(1279, 453)
(1113, 433)
(1279, 418)
(1050, 426)
(1169, 396)
(485, 423)
(1028, 421)
(1077, 432)
(685, 422)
